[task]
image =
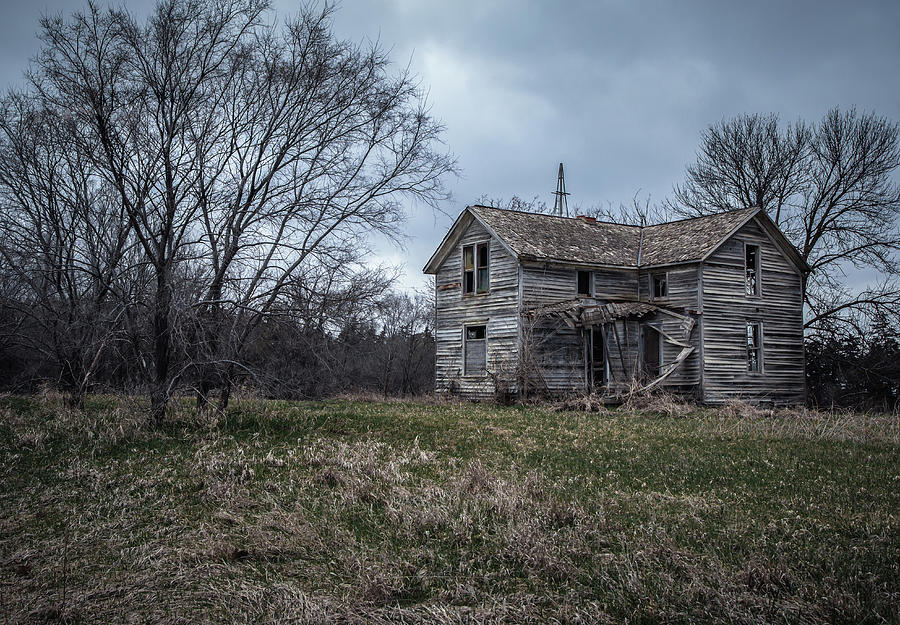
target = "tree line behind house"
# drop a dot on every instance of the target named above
(186, 204)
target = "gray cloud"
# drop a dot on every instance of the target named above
(618, 90)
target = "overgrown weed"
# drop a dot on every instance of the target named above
(355, 512)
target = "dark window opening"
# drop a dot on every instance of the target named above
(751, 267)
(660, 285)
(596, 348)
(475, 346)
(754, 347)
(652, 352)
(474, 333)
(584, 283)
(476, 268)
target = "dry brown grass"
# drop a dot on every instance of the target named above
(742, 419)
(446, 513)
(659, 403)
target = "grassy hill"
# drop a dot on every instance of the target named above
(356, 511)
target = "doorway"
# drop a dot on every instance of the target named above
(652, 352)
(595, 348)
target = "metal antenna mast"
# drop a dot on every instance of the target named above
(560, 202)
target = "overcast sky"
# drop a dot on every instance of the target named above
(618, 90)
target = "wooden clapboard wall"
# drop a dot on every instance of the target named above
(726, 311)
(559, 349)
(682, 298)
(497, 310)
(710, 292)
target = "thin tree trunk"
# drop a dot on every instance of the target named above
(159, 396)
(225, 396)
(209, 347)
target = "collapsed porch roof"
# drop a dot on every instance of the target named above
(588, 312)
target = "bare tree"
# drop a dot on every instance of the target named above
(829, 187)
(639, 213)
(316, 149)
(139, 95)
(62, 241)
(240, 153)
(406, 341)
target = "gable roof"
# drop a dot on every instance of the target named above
(570, 240)
(690, 239)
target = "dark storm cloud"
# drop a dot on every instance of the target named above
(618, 90)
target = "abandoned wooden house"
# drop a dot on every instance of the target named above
(532, 303)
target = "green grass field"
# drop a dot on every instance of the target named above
(351, 511)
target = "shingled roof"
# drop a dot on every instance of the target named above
(534, 236)
(578, 241)
(689, 239)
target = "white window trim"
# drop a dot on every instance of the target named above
(650, 278)
(465, 327)
(761, 347)
(758, 293)
(462, 269)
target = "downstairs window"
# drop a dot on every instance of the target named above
(754, 347)
(475, 350)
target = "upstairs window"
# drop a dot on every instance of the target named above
(751, 269)
(659, 286)
(584, 283)
(483, 278)
(754, 347)
(476, 268)
(475, 348)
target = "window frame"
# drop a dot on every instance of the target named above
(590, 275)
(758, 348)
(652, 286)
(466, 340)
(757, 270)
(477, 287)
(643, 347)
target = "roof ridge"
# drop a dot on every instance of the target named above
(522, 212)
(683, 219)
(614, 223)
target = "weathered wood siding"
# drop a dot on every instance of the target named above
(623, 340)
(497, 310)
(622, 337)
(726, 311)
(682, 298)
(557, 361)
(559, 351)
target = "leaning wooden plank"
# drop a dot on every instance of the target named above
(682, 356)
(619, 347)
(672, 339)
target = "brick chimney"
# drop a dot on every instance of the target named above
(586, 219)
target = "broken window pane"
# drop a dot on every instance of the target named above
(469, 269)
(754, 348)
(660, 286)
(751, 264)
